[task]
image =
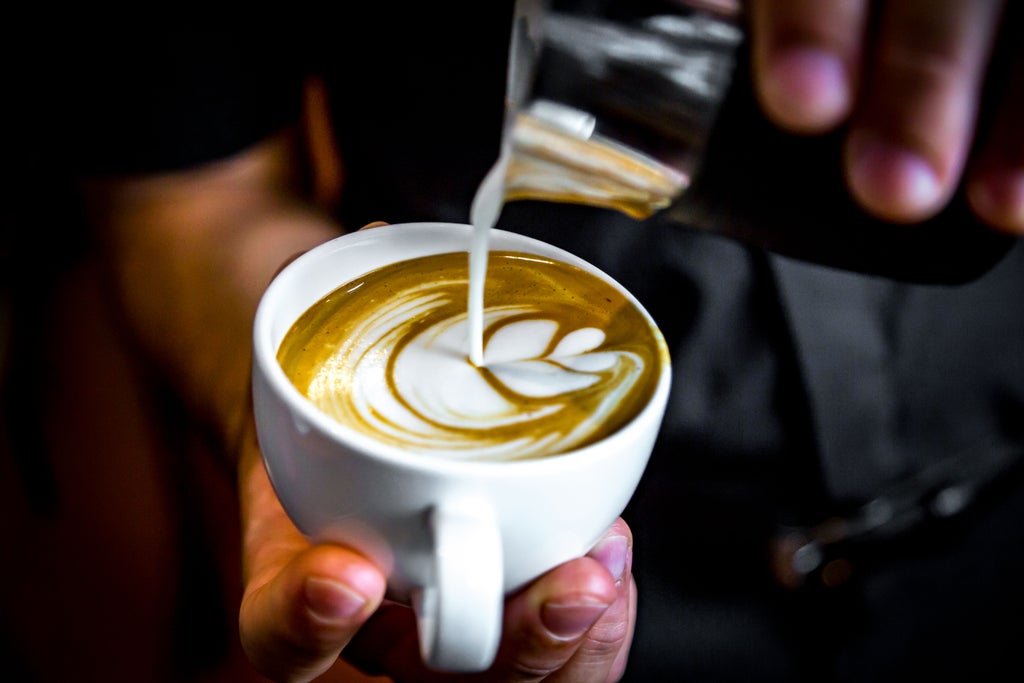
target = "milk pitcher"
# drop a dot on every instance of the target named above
(647, 108)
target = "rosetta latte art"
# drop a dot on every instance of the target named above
(567, 359)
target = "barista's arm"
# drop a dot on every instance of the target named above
(909, 82)
(190, 253)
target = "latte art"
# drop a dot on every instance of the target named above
(567, 358)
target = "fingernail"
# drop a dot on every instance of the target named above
(808, 87)
(612, 552)
(891, 180)
(332, 601)
(568, 621)
(999, 198)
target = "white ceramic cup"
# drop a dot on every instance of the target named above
(454, 537)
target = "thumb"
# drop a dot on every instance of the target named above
(294, 625)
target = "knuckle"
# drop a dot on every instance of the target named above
(606, 638)
(923, 63)
(526, 671)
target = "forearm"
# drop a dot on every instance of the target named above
(190, 254)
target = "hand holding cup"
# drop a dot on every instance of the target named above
(454, 535)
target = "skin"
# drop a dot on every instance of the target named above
(910, 102)
(190, 253)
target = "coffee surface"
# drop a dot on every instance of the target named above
(568, 359)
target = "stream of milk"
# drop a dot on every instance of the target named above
(484, 212)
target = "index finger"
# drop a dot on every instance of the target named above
(806, 60)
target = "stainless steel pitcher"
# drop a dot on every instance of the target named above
(646, 107)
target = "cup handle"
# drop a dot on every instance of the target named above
(459, 611)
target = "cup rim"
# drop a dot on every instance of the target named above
(265, 361)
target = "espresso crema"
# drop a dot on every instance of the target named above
(568, 359)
